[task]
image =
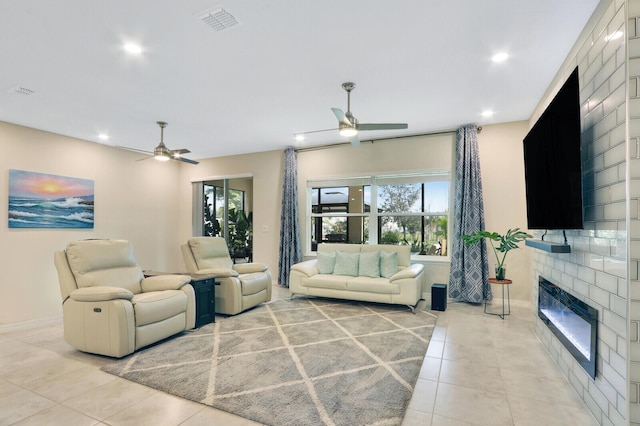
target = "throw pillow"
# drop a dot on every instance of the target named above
(346, 264)
(326, 262)
(388, 263)
(369, 265)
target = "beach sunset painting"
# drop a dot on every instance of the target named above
(38, 200)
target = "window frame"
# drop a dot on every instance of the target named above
(374, 215)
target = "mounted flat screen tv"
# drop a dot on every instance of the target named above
(552, 163)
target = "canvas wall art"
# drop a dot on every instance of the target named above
(38, 200)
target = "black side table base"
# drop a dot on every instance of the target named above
(503, 314)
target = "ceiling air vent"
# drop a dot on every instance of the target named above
(218, 19)
(19, 90)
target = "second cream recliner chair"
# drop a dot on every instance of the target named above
(241, 286)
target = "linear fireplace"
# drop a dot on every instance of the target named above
(573, 322)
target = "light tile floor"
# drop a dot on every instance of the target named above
(479, 370)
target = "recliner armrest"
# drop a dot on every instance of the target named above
(219, 272)
(410, 271)
(100, 294)
(248, 268)
(308, 267)
(164, 282)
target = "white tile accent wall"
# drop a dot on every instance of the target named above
(633, 37)
(604, 258)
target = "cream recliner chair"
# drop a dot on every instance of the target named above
(110, 308)
(241, 286)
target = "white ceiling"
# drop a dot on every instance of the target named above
(279, 70)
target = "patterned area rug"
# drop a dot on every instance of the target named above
(306, 361)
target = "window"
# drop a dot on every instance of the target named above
(400, 209)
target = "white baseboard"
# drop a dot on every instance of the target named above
(25, 325)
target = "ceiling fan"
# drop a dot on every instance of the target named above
(162, 153)
(349, 126)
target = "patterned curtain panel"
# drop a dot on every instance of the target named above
(290, 246)
(469, 264)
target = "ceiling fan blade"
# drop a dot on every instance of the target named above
(141, 151)
(314, 131)
(382, 126)
(340, 116)
(180, 151)
(185, 160)
(355, 141)
(176, 154)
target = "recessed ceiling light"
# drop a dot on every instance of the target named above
(103, 137)
(500, 57)
(487, 113)
(299, 137)
(133, 48)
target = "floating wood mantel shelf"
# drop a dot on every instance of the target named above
(549, 246)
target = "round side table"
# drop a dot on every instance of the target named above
(503, 283)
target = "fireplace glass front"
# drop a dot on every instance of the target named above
(572, 321)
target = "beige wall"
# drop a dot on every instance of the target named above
(266, 169)
(133, 200)
(501, 162)
(149, 203)
(407, 155)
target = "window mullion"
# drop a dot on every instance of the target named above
(373, 213)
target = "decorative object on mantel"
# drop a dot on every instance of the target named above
(508, 242)
(295, 362)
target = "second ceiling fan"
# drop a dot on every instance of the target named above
(349, 126)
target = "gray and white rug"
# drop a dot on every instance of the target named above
(306, 361)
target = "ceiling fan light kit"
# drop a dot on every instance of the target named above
(347, 130)
(348, 125)
(161, 152)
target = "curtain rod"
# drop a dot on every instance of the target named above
(338, 144)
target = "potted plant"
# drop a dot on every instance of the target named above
(508, 242)
(239, 226)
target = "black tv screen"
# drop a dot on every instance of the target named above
(552, 163)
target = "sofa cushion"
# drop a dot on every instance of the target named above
(254, 283)
(158, 305)
(210, 252)
(346, 264)
(369, 264)
(104, 263)
(388, 263)
(372, 285)
(334, 282)
(326, 262)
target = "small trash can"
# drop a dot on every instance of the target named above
(439, 297)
